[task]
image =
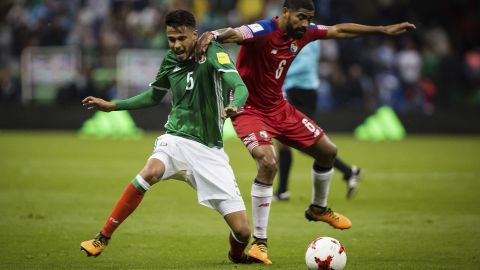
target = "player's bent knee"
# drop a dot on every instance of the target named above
(327, 153)
(243, 233)
(327, 159)
(241, 230)
(153, 171)
(268, 166)
(238, 223)
(332, 152)
(266, 162)
(324, 149)
(151, 175)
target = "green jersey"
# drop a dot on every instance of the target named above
(199, 95)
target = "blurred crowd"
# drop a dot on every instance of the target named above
(435, 67)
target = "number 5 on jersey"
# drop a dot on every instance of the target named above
(190, 82)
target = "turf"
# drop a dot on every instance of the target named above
(418, 206)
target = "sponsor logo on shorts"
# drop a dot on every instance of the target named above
(264, 135)
(316, 132)
(162, 144)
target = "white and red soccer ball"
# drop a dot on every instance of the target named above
(326, 253)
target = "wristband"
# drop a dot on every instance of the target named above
(215, 34)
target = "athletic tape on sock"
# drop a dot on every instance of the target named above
(322, 176)
(260, 190)
(141, 184)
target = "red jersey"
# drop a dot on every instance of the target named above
(264, 58)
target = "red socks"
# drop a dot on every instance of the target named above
(127, 203)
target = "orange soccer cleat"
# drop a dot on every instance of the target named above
(336, 220)
(258, 252)
(95, 246)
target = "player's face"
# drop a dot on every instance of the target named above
(298, 22)
(181, 41)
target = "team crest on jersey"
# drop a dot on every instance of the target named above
(264, 135)
(294, 47)
(223, 58)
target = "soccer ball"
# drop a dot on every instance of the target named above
(326, 253)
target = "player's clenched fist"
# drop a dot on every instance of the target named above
(229, 112)
(93, 103)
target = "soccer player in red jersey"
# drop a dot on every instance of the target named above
(268, 47)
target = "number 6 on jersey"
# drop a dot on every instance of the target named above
(279, 71)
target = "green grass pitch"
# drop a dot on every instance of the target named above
(418, 206)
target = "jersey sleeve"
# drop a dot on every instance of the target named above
(161, 82)
(234, 82)
(254, 31)
(146, 99)
(315, 32)
(219, 59)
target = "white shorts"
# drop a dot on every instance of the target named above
(206, 169)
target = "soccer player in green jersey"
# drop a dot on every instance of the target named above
(204, 93)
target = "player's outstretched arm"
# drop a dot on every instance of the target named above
(225, 35)
(146, 99)
(229, 35)
(94, 103)
(352, 30)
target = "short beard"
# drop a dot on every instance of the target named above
(292, 32)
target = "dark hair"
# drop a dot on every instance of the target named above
(178, 18)
(298, 4)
